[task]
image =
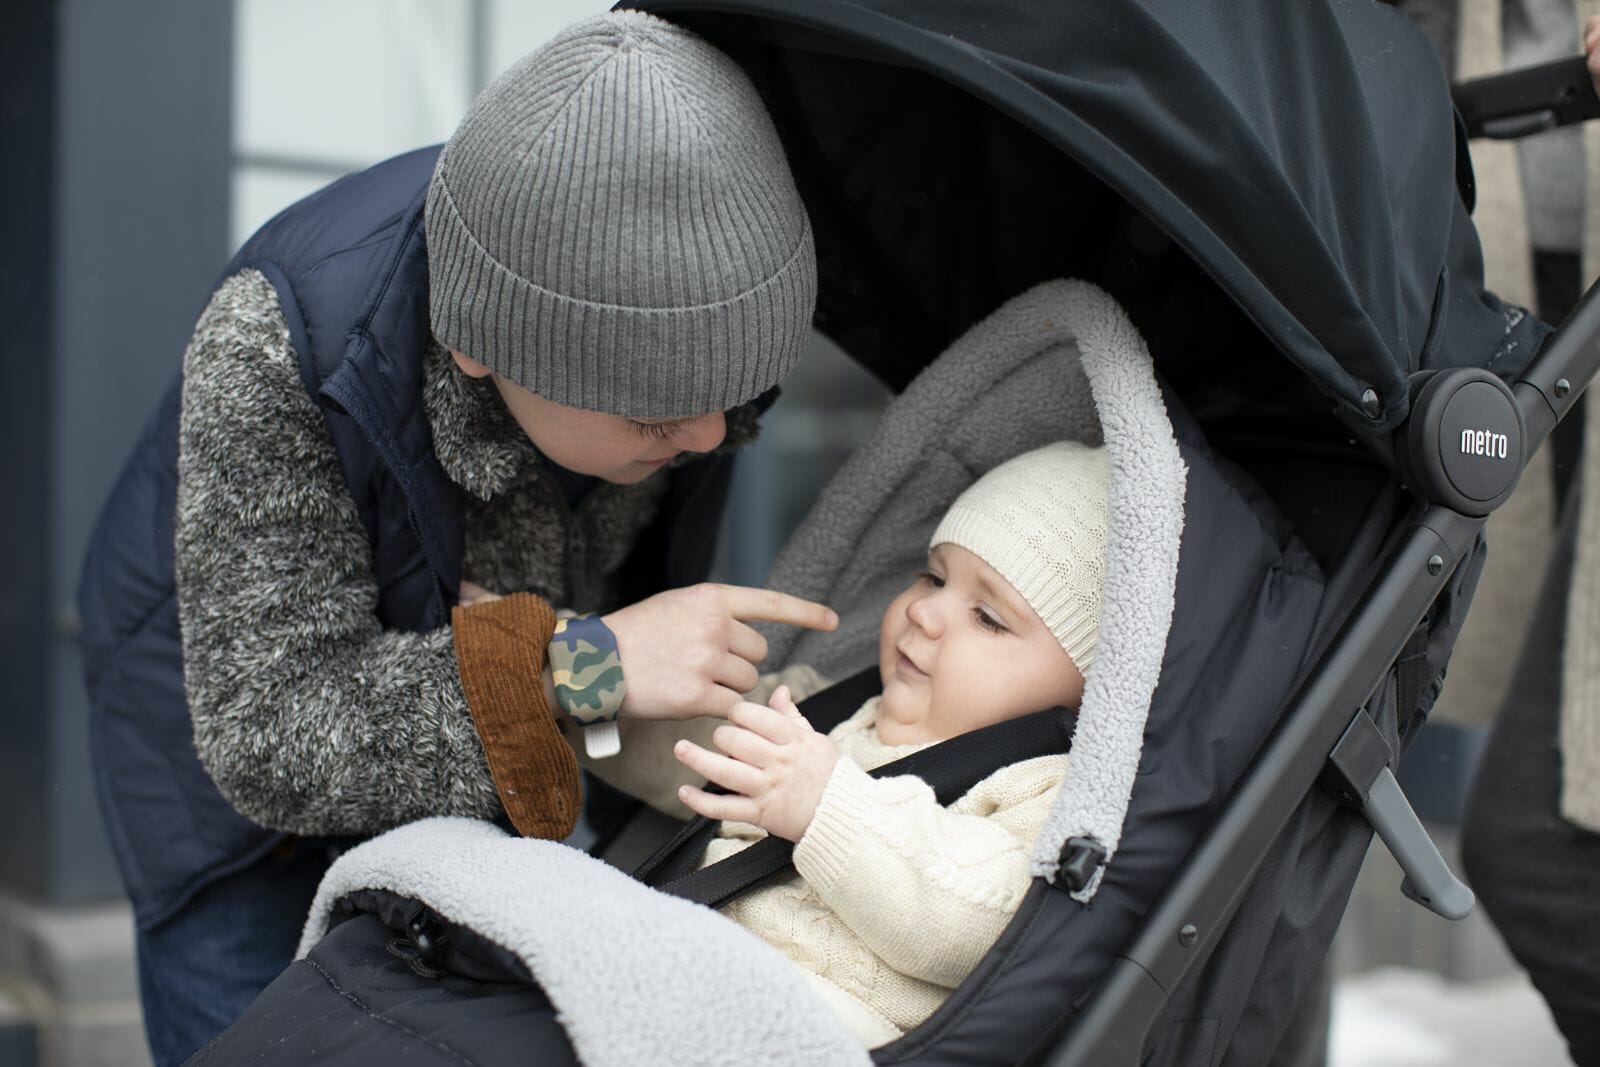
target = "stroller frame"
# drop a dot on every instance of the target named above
(1318, 738)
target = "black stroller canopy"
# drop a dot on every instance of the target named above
(1300, 154)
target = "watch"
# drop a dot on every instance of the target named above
(587, 672)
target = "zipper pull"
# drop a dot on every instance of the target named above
(424, 925)
(420, 949)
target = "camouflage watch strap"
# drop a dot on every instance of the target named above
(588, 680)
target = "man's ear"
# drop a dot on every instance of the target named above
(469, 366)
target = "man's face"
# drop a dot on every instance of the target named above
(610, 447)
(961, 649)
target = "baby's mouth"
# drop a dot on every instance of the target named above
(907, 666)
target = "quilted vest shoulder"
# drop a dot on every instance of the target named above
(350, 267)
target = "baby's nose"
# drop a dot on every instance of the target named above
(925, 615)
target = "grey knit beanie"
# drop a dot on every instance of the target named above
(1041, 520)
(614, 227)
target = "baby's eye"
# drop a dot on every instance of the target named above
(931, 578)
(988, 622)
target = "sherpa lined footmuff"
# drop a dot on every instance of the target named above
(1209, 607)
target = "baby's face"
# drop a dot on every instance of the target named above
(961, 649)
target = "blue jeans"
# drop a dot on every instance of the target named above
(199, 970)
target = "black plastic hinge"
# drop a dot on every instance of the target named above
(1356, 762)
(1080, 858)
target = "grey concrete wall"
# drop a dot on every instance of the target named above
(117, 122)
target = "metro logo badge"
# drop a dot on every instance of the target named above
(1485, 443)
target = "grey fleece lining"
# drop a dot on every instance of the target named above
(635, 976)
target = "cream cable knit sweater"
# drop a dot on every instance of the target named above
(896, 898)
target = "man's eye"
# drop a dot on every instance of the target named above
(654, 431)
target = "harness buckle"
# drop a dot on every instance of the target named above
(1080, 858)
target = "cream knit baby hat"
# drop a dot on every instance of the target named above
(1040, 520)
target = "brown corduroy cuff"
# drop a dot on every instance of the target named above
(500, 651)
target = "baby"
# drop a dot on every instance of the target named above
(897, 898)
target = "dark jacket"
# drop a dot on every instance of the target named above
(349, 269)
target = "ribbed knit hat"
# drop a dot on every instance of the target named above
(614, 227)
(1040, 520)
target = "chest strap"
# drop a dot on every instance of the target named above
(951, 768)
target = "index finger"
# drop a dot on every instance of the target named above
(769, 605)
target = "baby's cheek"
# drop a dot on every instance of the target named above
(889, 629)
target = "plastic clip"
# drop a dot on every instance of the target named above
(1080, 858)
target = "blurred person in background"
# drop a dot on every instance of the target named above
(1531, 834)
(426, 408)
(1531, 841)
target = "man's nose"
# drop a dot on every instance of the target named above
(702, 434)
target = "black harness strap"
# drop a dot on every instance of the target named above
(950, 768)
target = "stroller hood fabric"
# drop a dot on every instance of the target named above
(1329, 119)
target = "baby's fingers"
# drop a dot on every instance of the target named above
(775, 726)
(725, 807)
(715, 767)
(782, 700)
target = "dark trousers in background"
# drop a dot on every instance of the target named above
(199, 970)
(1537, 875)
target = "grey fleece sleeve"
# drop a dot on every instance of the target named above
(310, 717)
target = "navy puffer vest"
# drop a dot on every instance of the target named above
(351, 272)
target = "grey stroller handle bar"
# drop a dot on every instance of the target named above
(1531, 100)
(1358, 775)
(1318, 738)
(1547, 390)
(1429, 880)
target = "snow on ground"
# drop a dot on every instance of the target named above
(1393, 1017)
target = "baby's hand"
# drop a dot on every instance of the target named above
(775, 764)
